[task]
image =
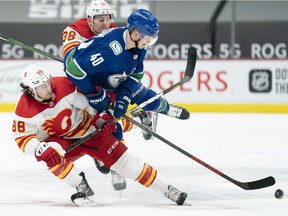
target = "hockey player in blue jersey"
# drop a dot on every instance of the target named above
(113, 61)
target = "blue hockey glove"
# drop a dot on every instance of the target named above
(121, 104)
(99, 101)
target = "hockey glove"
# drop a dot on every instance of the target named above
(99, 101)
(122, 102)
(105, 121)
(108, 128)
(47, 153)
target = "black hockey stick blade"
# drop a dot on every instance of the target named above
(189, 72)
(262, 183)
(253, 185)
(191, 63)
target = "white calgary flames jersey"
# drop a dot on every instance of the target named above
(77, 32)
(66, 115)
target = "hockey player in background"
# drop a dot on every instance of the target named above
(49, 117)
(99, 17)
(113, 61)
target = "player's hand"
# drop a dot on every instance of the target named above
(121, 104)
(48, 153)
(100, 119)
(105, 121)
(108, 128)
(99, 101)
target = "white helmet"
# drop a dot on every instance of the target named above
(98, 7)
(34, 75)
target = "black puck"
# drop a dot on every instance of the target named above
(279, 193)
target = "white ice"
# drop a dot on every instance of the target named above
(246, 147)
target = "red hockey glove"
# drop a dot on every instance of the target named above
(108, 128)
(47, 153)
(105, 121)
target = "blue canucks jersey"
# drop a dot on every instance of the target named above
(103, 61)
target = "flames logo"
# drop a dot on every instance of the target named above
(59, 125)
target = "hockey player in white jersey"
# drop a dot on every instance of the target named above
(52, 114)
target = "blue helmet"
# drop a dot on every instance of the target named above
(144, 22)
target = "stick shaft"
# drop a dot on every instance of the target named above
(253, 185)
(28, 47)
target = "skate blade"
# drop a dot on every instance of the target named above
(84, 202)
(187, 204)
(119, 186)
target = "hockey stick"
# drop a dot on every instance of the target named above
(190, 66)
(191, 62)
(253, 185)
(80, 141)
(30, 48)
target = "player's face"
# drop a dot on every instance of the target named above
(101, 22)
(44, 91)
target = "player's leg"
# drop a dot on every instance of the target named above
(134, 168)
(69, 174)
(161, 105)
(140, 94)
(113, 154)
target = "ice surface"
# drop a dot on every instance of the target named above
(245, 147)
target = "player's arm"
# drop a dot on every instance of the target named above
(130, 91)
(71, 38)
(24, 133)
(138, 75)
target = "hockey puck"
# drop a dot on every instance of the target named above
(279, 193)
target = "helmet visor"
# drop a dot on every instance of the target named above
(149, 40)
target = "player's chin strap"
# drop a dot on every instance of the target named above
(135, 41)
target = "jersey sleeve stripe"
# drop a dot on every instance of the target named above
(69, 46)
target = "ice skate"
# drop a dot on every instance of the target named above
(118, 181)
(175, 195)
(177, 112)
(101, 167)
(84, 195)
(146, 120)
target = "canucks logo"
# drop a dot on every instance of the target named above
(116, 47)
(260, 80)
